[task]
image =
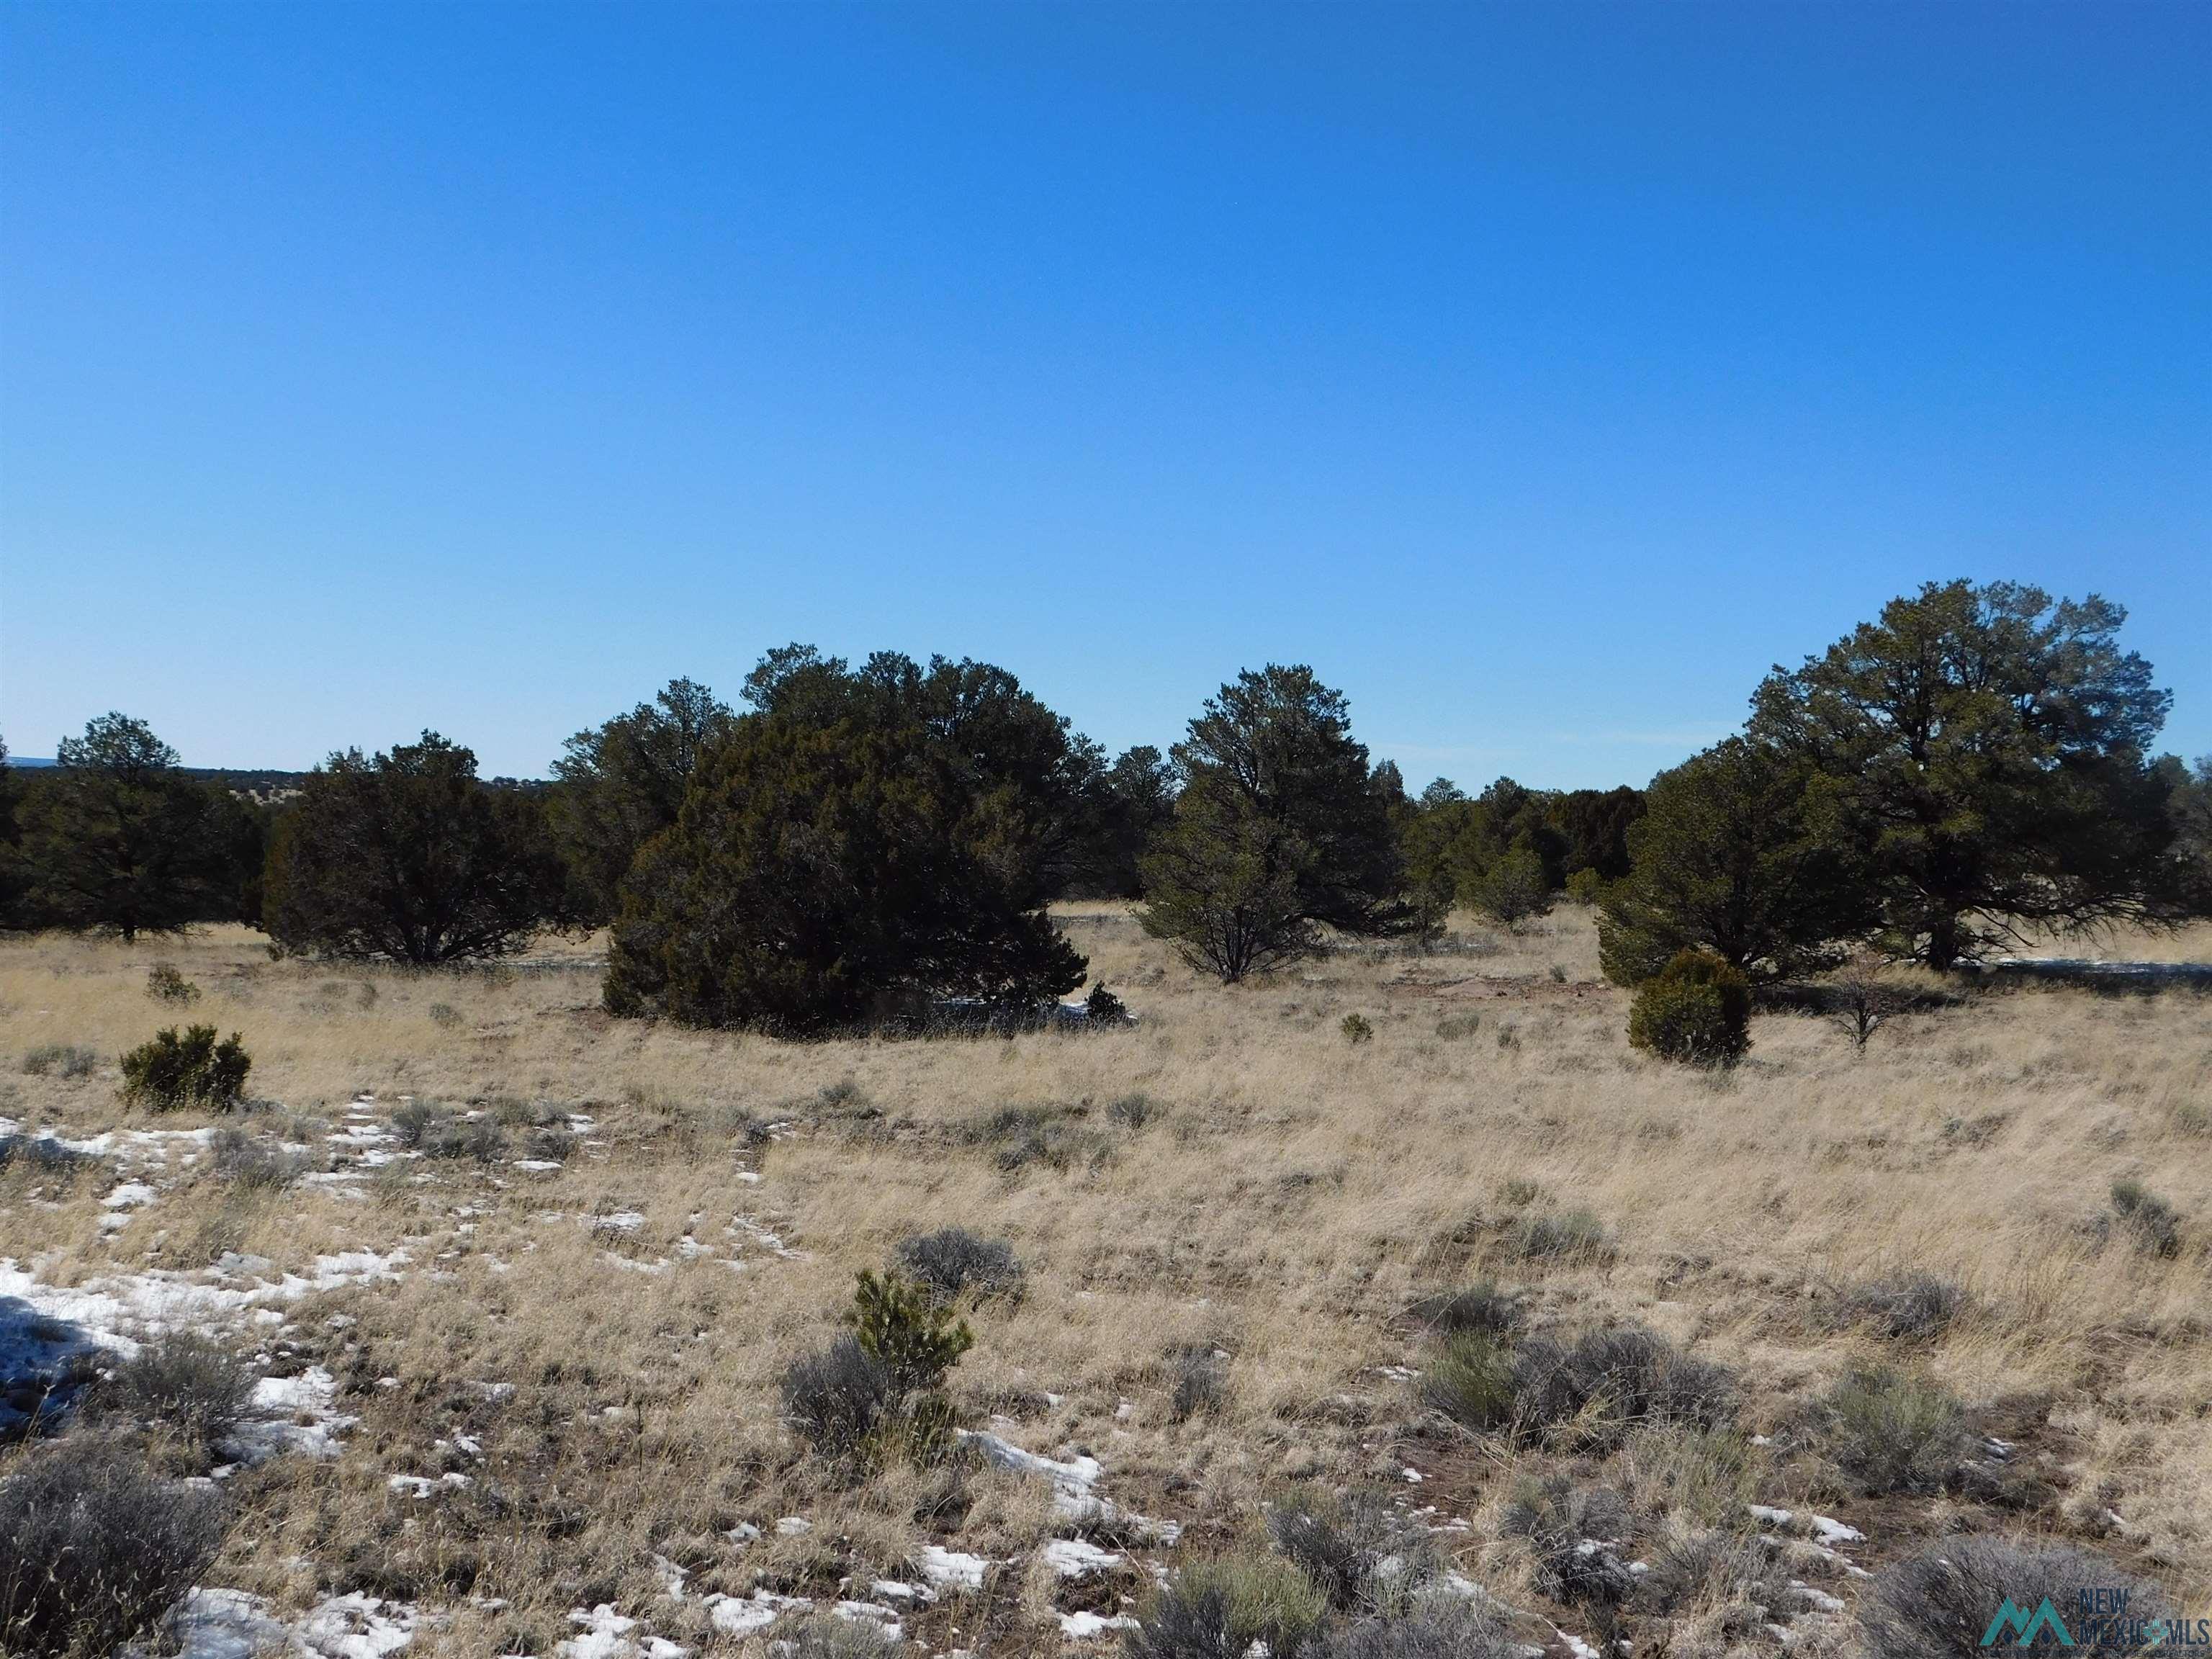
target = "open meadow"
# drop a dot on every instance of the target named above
(519, 1284)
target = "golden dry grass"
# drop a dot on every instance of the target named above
(1286, 1197)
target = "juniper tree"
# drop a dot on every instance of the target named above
(1280, 831)
(1985, 752)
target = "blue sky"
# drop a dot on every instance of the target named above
(1540, 373)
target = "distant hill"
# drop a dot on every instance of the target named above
(260, 782)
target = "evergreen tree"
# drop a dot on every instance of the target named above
(863, 841)
(116, 840)
(621, 784)
(1280, 831)
(1985, 752)
(409, 855)
(1731, 858)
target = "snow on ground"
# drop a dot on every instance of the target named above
(1072, 1480)
(228, 1624)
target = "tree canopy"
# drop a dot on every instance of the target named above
(114, 839)
(1983, 751)
(1280, 828)
(408, 855)
(863, 840)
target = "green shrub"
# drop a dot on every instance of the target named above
(1471, 1380)
(1358, 1028)
(171, 1071)
(1894, 1431)
(1219, 1609)
(165, 984)
(1365, 1555)
(1697, 1010)
(907, 1330)
(1103, 1008)
(1583, 887)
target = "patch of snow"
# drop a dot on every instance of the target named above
(423, 1485)
(1078, 1558)
(1083, 1626)
(606, 1634)
(355, 1628)
(1833, 1533)
(949, 1569)
(742, 1615)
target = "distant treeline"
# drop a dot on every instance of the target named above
(849, 843)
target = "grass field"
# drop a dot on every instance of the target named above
(523, 1394)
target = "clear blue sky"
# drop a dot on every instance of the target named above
(1540, 373)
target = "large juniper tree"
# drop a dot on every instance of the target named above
(864, 840)
(1731, 857)
(1985, 748)
(1280, 831)
(620, 784)
(408, 855)
(116, 840)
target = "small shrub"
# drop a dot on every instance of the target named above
(1452, 1027)
(1938, 1603)
(552, 1143)
(1707, 1475)
(836, 1396)
(478, 1140)
(41, 1152)
(1366, 1555)
(1892, 1431)
(1219, 1609)
(1357, 1028)
(1019, 1136)
(93, 1549)
(2155, 1223)
(1608, 1380)
(1445, 1626)
(1201, 1383)
(1557, 1235)
(1908, 1307)
(1133, 1111)
(1518, 1193)
(182, 1382)
(1559, 973)
(1470, 1379)
(953, 1264)
(259, 1165)
(826, 1636)
(411, 1120)
(1696, 1010)
(65, 1059)
(1583, 887)
(1714, 1568)
(1560, 1520)
(165, 984)
(171, 1071)
(1508, 1038)
(445, 1014)
(1103, 1008)
(907, 1331)
(1480, 1307)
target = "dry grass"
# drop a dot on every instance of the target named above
(1284, 1199)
